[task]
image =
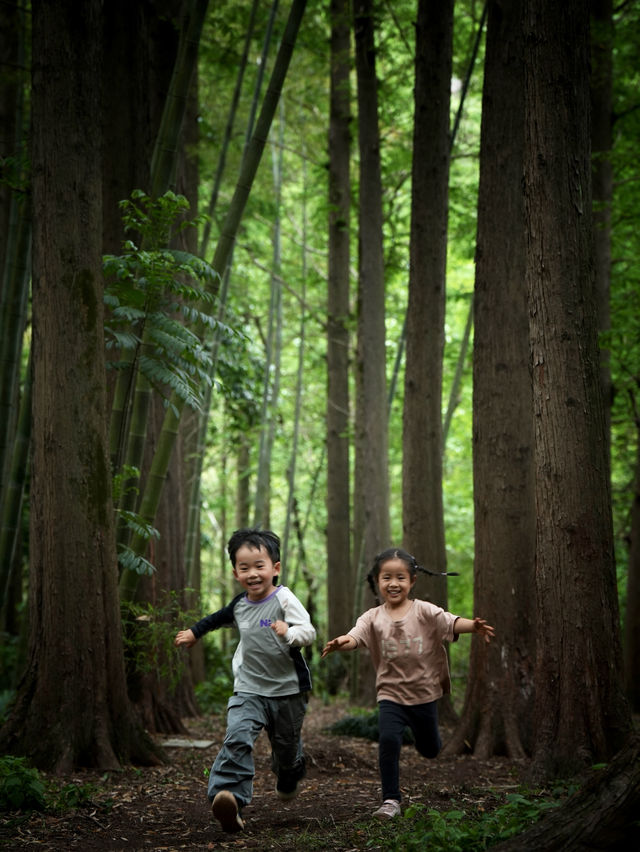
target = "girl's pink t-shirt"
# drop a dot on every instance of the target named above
(408, 655)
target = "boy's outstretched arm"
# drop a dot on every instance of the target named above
(185, 637)
(474, 625)
(340, 643)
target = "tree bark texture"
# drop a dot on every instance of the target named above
(580, 712)
(602, 172)
(497, 714)
(371, 479)
(162, 703)
(10, 84)
(422, 441)
(339, 566)
(632, 616)
(602, 815)
(372, 488)
(140, 44)
(72, 707)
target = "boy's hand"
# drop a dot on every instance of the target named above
(185, 637)
(337, 644)
(280, 627)
(481, 626)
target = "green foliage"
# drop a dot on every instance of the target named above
(149, 631)
(131, 561)
(213, 693)
(464, 831)
(72, 796)
(364, 725)
(152, 293)
(21, 787)
(123, 482)
(128, 559)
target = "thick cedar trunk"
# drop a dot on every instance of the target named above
(339, 568)
(422, 441)
(141, 46)
(371, 497)
(603, 815)
(422, 435)
(602, 176)
(9, 93)
(72, 707)
(497, 714)
(161, 703)
(578, 674)
(632, 617)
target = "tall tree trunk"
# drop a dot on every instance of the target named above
(222, 156)
(632, 617)
(578, 673)
(243, 490)
(271, 388)
(371, 495)
(140, 49)
(603, 814)
(300, 375)
(15, 248)
(165, 153)
(601, 140)
(340, 578)
(11, 572)
(163, 701)
(12, 36)
(497, 714)
(422, 507)
(72, 707)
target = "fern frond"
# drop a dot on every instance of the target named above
(137, 525)
(130, 561)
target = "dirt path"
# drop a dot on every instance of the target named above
(165, 808)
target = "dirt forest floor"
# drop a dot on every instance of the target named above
(166, 808)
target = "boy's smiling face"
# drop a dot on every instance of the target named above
(255, 571)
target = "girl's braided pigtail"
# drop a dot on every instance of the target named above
(372, 586)
(435, 573)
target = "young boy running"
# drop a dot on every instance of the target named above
(271, 678)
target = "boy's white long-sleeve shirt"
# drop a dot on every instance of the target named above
(265, 663)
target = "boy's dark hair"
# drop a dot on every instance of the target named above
(257, 538)
(411, 563)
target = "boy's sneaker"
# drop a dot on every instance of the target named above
(286, 790)
(225, 810)
(389, 809)
(287, 783)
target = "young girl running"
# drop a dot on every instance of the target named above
(405, 639)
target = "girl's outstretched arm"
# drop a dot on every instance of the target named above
(340, 643)
(474, 625)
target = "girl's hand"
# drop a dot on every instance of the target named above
(338, 644)
(280, 628)
(481, 626)
(185, 637)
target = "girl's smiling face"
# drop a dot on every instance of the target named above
(395, 582)
(255, 571)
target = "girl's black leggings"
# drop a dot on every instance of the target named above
(394, 718)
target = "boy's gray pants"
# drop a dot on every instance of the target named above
(233, 768)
